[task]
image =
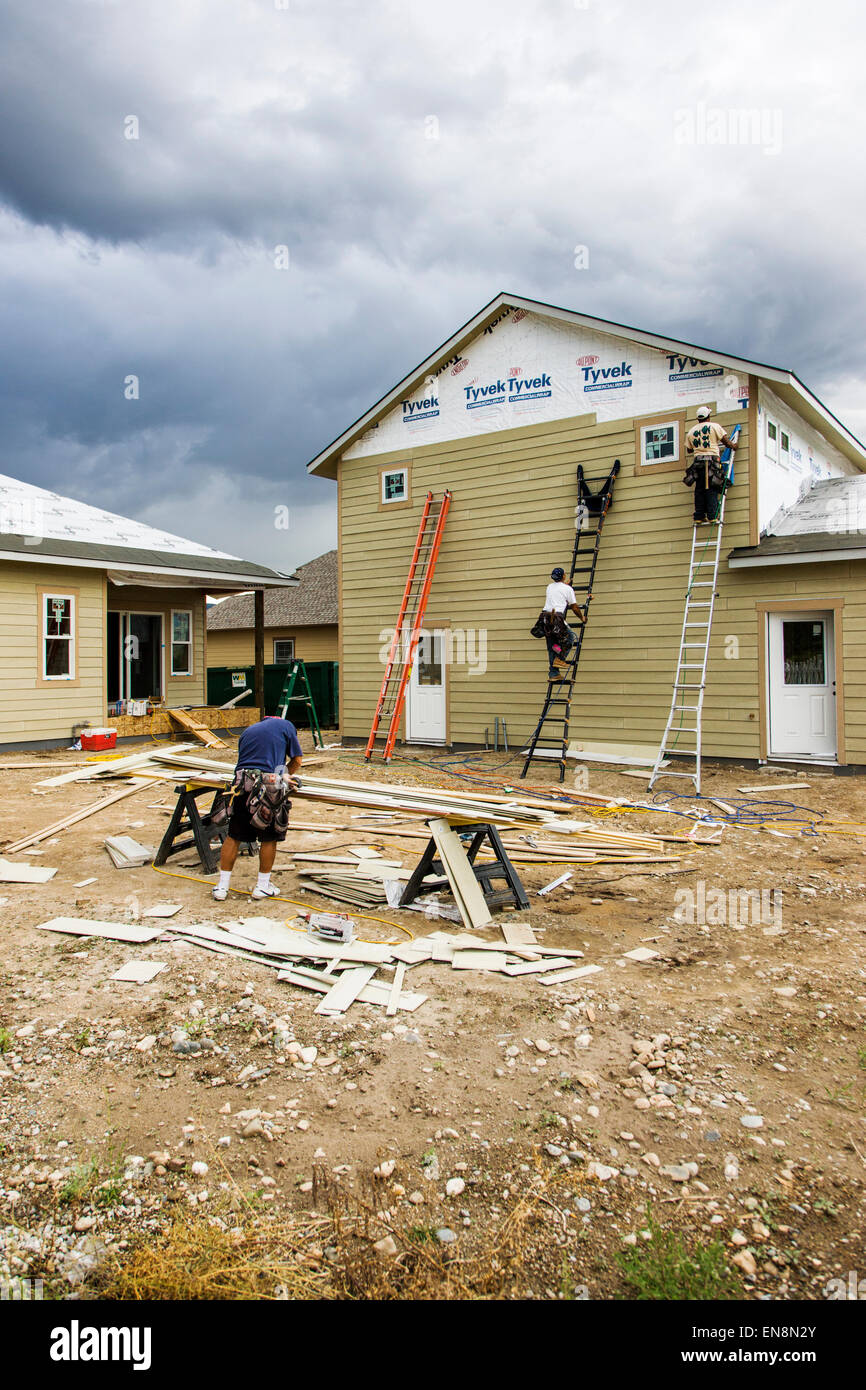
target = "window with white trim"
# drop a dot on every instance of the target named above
(785, 449)
(284, 650)
(771, 440)
(659, 443)
(58, 637)
(395, 485)
(181, 642)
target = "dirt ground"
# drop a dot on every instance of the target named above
(717, 1091)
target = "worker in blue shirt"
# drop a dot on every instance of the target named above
(269, 753)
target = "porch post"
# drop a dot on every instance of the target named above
(260, 650)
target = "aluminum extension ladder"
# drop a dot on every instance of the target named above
(581, 578)
(404, 643)
(691, 674)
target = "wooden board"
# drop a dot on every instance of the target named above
(777, 787)
(73, 819)
(396, 986)
(189, 721)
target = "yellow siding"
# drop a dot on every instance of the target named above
(29, 711)
(179, 690)
(511, 521)
(235, 647)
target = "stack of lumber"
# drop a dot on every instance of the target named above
(127, 853)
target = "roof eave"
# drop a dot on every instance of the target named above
(214, 579)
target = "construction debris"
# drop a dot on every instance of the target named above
(139, 972)
(24, 873)
(113, 931)
(126, 853)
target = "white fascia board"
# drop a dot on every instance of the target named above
(810, 557)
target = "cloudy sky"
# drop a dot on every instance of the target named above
(413, 159)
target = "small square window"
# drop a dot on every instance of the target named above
(659, 443)
(284, 651)
(395, 485)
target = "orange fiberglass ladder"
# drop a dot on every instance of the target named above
(404, 643)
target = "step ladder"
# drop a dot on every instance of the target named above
(691, 674)
(298, 671)
(404, 643)
(591, 505)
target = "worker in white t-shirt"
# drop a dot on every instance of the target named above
(560, 597)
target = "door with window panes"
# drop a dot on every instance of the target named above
(426, 713)
(802, 685)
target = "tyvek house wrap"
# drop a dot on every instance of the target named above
(525, 367)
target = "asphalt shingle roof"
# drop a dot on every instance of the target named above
(313, 603)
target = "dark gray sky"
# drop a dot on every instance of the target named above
(414, 159)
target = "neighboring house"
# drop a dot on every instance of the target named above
(299, 622)
(95, 609)
(502, 414)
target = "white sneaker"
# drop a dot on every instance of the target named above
(219, 894)
(269, 892)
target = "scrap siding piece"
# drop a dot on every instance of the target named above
(560, 977)
(114, 931)
(139, 972)
(346, 990)
(24, 873)
(479, 960)
(538, 967)
(641, 953)
(466, 888)
(518, 934)
(396, 987)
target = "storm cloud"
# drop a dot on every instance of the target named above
(160, 165)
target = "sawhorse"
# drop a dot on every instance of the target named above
(512, 894)
(188, 827)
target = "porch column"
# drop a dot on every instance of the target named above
(260, 650)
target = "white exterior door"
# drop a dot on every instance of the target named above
(426, 713)
(802, 685)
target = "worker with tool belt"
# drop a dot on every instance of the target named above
(560, 597)
(706, 473)
(259, 805)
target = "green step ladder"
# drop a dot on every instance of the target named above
(297, 670)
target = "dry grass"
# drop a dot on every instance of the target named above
(260, 1255)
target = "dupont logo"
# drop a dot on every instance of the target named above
(588, 361)
(460, 366)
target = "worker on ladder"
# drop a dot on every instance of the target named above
(706, 473)
(560, 597)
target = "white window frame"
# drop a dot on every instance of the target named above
(391, 473)
(277, 643)
(784, 453)
(659, 425)
(70, 599)
(188, 643)
(771, 447)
